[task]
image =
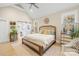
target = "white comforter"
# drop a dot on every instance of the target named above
(46, 39)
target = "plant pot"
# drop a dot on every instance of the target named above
(13, 37)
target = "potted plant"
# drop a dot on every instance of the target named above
(13, 34)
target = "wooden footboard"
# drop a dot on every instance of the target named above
(40, 50)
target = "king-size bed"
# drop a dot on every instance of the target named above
(40, 42)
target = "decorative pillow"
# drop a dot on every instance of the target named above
(75, 44)
(51, 32)
(45, 32)
(41, 31)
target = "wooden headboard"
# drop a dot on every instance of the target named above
(48, 29)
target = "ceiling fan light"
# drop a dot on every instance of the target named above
(31, 10)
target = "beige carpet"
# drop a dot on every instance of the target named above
(17, 49)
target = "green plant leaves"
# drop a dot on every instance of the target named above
(75, 34)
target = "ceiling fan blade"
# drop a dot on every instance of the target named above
(35, 5)
(20, 6)
(30, 6)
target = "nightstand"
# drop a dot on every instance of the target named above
(65, 38)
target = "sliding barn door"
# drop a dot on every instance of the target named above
(3, 31)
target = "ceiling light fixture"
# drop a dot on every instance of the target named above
(33, 4)
(31, 10)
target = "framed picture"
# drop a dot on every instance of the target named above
(68, 23)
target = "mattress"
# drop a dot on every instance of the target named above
(40, 39)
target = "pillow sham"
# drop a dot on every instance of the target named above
(47, 32)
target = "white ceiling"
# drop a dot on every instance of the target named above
(48, 8)
(5, 4)
(44, 8)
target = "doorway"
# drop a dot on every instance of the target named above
(4, 33)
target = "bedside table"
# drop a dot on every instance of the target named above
(65, 38)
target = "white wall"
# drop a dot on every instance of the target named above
(12, 14)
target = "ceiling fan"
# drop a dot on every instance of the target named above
(33, 4)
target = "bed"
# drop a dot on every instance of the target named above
(40, 42)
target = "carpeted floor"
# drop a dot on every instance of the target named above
(17, 49)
